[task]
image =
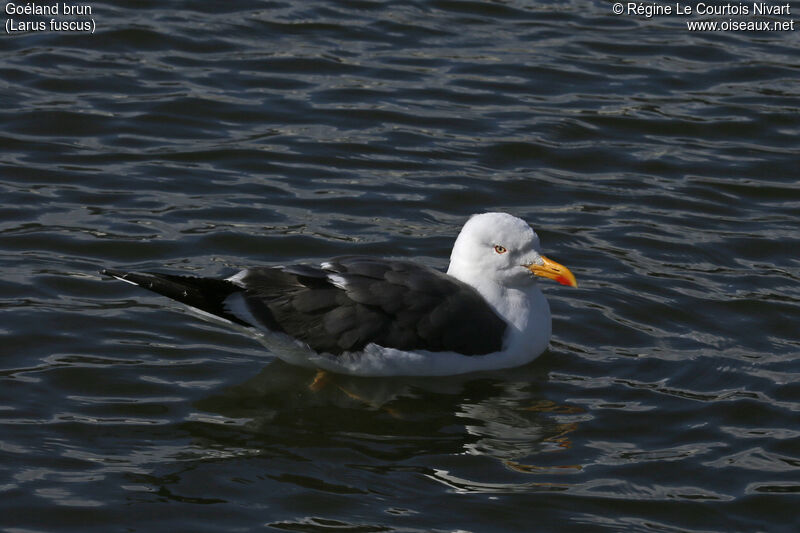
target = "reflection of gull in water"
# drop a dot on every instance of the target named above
(516, 430)
(511, 428)
(504, 419)
(490, 433)
(508, 430)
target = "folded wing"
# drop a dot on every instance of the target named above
(345, 304)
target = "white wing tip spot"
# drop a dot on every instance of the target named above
(338, 281)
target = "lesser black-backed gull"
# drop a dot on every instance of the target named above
(367, 316)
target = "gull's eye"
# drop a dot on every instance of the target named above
(500, 249)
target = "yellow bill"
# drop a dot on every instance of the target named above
(552, 270)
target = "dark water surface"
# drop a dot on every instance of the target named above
(659, 164)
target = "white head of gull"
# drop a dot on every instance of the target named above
(500, 256)
(366, 316)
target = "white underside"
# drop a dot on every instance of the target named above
(377, 360)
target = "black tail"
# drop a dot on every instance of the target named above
(206, 294)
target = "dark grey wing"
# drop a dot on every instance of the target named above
(353, 301)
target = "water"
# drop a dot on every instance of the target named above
(659, 164)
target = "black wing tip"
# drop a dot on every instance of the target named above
(112, 273)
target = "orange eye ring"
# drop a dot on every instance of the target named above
(500, 249)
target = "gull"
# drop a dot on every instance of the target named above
(369, 316)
